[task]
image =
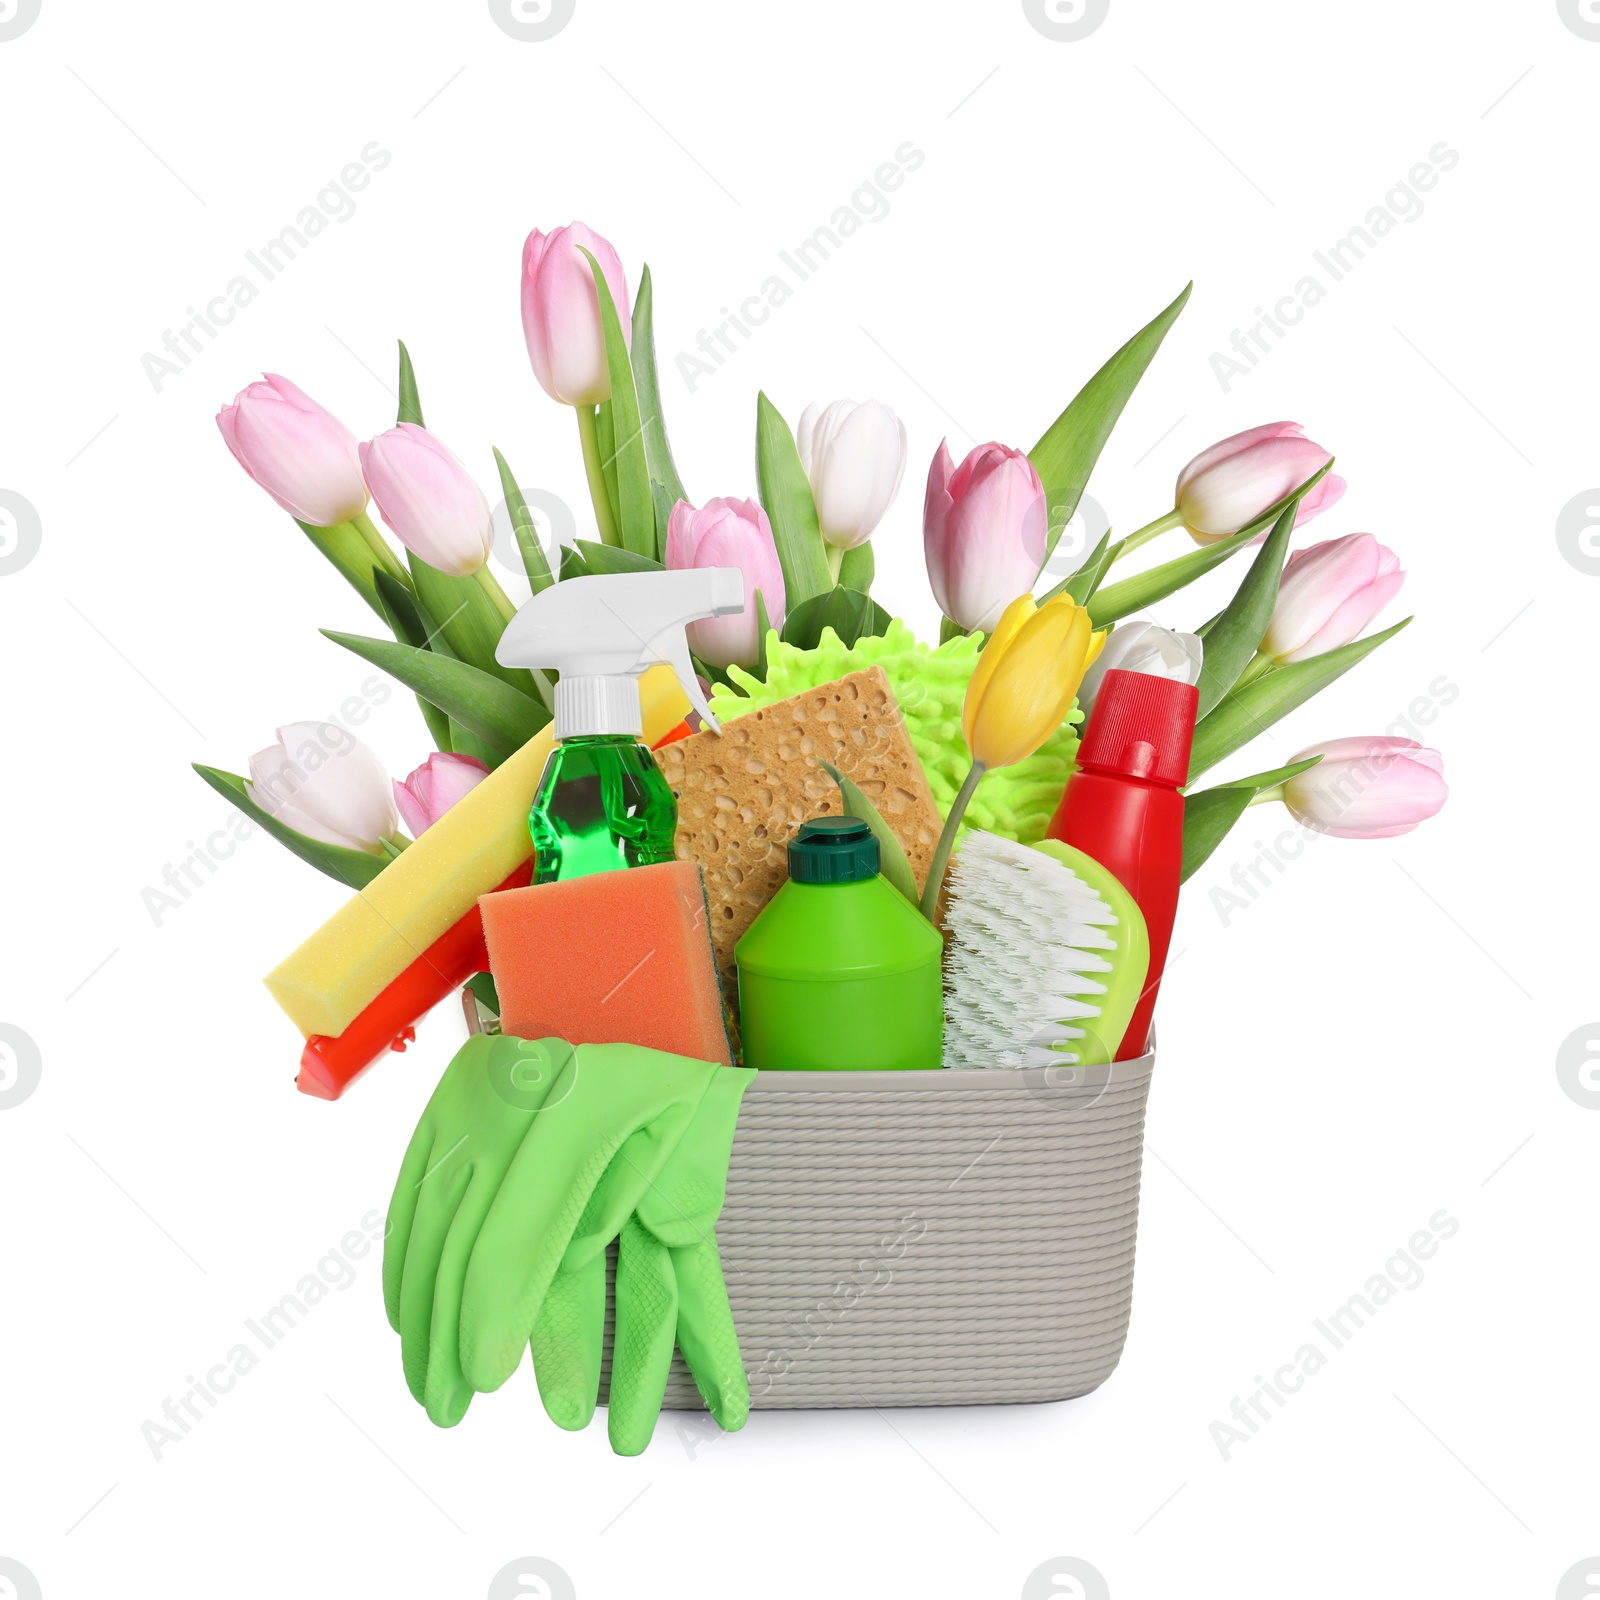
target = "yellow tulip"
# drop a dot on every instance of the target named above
(1022, 688)
(1027, 678)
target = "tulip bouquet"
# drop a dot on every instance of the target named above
(1029, 667)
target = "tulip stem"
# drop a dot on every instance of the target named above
(1262, 796)
(835, 555)
(1151, 530)
(594, 470)
(1259, 665)
(500, 599)
(947, 839)
(379, 546)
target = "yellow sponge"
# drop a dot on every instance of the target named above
(473, 848)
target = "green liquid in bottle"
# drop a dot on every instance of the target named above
(601, 804)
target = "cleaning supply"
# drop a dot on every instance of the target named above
(929, 682)
(529, 1160)
(601, 802)
(670, 1289)
(476, 1242)
(472, 1127)
(742, 794)
(612, 957)
(840, 972)
(328, 1066)
(432, 884)
(1123, 807)
(1047, 956)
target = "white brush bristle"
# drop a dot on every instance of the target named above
(1025, 937)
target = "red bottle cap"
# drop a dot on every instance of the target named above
(1141, 727)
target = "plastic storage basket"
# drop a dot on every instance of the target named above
(930, 1238)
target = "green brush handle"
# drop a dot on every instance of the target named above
(1129, 964)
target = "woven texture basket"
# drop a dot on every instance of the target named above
(930, 1238)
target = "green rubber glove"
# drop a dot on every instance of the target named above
(670, 1290)
(474, 1124)
(614, 1117)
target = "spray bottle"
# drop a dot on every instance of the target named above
(601, 802)
(1124, 807)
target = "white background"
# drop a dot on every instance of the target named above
(1373, 1040)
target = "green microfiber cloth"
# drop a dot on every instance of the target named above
(930, 683)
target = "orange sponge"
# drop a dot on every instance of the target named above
(615, 958)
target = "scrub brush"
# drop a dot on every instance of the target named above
(1047, 956)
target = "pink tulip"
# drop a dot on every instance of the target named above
(729, 533)
(303, 456)
(427, 497)
(1328, 594)
(1370, 788)
(561, 313)
(1233, 482)
(434, 787)
(983, 532)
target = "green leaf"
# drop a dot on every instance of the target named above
(790, 507)
(410, 401)
(572, 563)
(1086, 579)
(464, 742)
(763, 628)
(423, 632)
(624, 452)
(482, 985)
(605, 443)
(1258, 781)
(1271, 514)
(859, 568)
(1122, 599)
(406, 623)
(1066, 455)
(353, 868)
(1209, 815)
(468, 621)
(350, 554)
(1231, 641)
(892, 861)
(950, 629)
(402, 611)
(647, 384)
(457, 739)
(495, 712)
(712, 674)
(852, 616)
(664, 502)
(1145, 588)
(1254, 708)
(604, 558)
(534, 561)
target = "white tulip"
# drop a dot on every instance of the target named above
(855, 457)
(1143, 647)
(323, 782)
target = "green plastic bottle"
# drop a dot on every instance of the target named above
(841, 972)
(602, 802)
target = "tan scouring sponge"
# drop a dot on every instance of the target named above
(741, 794)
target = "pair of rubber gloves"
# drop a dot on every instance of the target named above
(531, 1158)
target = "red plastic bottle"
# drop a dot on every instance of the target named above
(1123, 807)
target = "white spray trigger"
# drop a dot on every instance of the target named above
(602, 631)
(676, 654)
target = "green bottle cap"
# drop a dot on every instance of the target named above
(833, 850)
